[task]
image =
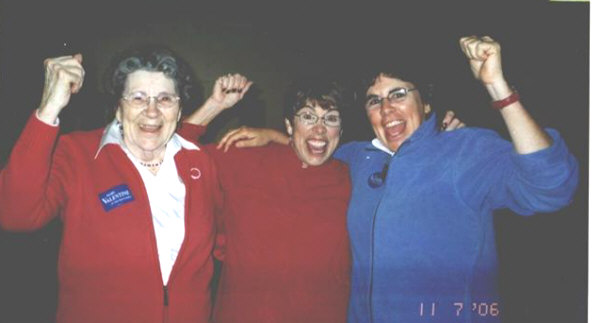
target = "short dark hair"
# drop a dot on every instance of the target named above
(409, 73)
(327, 93)
(153, 58)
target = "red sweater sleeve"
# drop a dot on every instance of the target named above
(191, 132)
(32, 183)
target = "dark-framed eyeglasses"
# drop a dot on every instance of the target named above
(395, 96)
(332, 120)
(143, 100)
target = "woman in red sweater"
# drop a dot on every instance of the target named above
(282, 233)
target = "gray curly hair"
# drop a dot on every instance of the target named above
(153, 59)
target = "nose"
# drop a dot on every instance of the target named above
(386, 106)
(152, 108)
(320, 127)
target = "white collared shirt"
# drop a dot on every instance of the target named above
(377, 143)
(166, 195)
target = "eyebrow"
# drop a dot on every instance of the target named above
(370, 96)
(159, 93)
(395, 89)
(307, 107)
(314, 110)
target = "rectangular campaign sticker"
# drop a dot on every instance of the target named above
(115, 197)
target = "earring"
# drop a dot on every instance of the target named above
(120, 128)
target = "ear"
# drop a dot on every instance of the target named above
(179, 116)
(427, 108)
(118, 113)
(288, 127)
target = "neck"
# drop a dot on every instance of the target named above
(151, 162)
(148, 156)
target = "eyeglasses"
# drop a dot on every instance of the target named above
(330, 120)
(142, 100)
(395, 96)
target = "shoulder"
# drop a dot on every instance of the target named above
(339, 167)
(244, 152)
(468, 149)
(351, 150)
(471, 137)
(243, 158)
(468, 133)
(88, 141)
(89, 135)
(353, 145)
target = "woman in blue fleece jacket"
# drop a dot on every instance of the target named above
(420, 215)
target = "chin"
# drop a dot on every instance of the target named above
(317, 161)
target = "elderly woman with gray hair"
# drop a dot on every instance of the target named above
(135, 247)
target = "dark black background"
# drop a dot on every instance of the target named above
(545, 47)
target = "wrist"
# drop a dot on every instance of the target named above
(278, 137)
(46, 117)
(213, 104)
(498, 89)
(205, 114)
(506, 101)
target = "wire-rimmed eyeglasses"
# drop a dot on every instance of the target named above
(309, 119)
(142, 100)
(394, 96)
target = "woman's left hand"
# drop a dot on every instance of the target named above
(251, 137)
(451, 122)
(229, 90)
(484, 57)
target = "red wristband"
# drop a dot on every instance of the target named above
(514, 97)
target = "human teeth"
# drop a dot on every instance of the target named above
(393, 123)
(317, 143)
(149, 127)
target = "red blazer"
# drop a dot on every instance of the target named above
(108, 265)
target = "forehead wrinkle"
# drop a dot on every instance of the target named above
(141, 79)
(326, 112)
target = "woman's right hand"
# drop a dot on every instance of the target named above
(251, 137)
(63, 77)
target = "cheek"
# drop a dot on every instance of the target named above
(119, 114)
(374, 118)
(127, 115)
(173, 115)
(296, 138)
(333, 134)
(299, 133)
(418, 117)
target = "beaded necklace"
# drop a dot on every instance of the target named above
(150, 165)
